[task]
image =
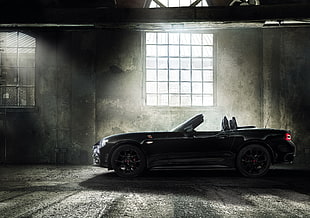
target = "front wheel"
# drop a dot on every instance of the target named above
(128, 161)
(253, 161)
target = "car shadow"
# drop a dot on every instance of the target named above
(191, 182)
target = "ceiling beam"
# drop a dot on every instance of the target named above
(115, 16)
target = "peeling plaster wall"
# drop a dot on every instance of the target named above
(89, 84)
(287, 85)
(239, 75)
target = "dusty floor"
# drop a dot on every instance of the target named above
(87, 191)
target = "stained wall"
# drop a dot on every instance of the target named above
(90, 84)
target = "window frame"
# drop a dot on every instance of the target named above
(179, 106)
(21, 107)
(166, 3)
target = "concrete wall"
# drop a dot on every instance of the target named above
(90, 85)
(286, 68)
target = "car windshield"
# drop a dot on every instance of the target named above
(190, 124)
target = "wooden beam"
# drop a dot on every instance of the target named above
(114, 16)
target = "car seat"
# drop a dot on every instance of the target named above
(225, 125)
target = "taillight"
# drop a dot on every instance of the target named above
(288, 137)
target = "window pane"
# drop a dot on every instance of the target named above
(185, 63)
(208, 51)
(26, 41)
(174, 63)
(2, 94)
(185, 39)
(174, 50)
(196, 39)
(165, 2)
(9, 96)
(207, 39)
(174, 100)
(197, 75)
(174, 87)
(173, 3)
(186, 100)
(208, 100)
(151, 38)
(197, 88)
(163, 87)
(197, 100)
(23, 51)
(208, 63)
(162, 75)
(208, 75)
(196, 51)
(174, 38)
(185, 75)
(10, 39)
(151, 87)
(151, 100)
(10, 76)
(163, 100)
(185, 87)
(162, 50)
(26, 96)
(185, 51)
(197, 63)
(185, 3)
(26, 59)
(151, 62)
(174, 75)
(162, 38)
(26, 76)
(151, 50)
(151, 75)
(162, 63)
(153, 5)
(9, 59)
(208, 88)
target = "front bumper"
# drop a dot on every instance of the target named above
(99, 159)
(96, 156)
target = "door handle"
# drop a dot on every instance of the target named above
(222, 137)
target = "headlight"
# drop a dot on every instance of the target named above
(103, 142)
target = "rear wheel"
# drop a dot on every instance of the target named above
(128, 161)
(253, 161)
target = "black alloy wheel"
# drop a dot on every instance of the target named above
(253, 161)
(128, 161)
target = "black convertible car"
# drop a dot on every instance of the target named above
(249, 149)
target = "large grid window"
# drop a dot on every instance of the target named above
(177, 3)
(17, 69)
(179, 69)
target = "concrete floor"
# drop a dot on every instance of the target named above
(87, 191)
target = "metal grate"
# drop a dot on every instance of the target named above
(17, 69)
(179, 69)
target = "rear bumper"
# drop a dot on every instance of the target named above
(289, 157)
(285, 152)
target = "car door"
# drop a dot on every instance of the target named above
(200, 148)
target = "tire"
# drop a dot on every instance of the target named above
(253, 161)
(128, 161)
